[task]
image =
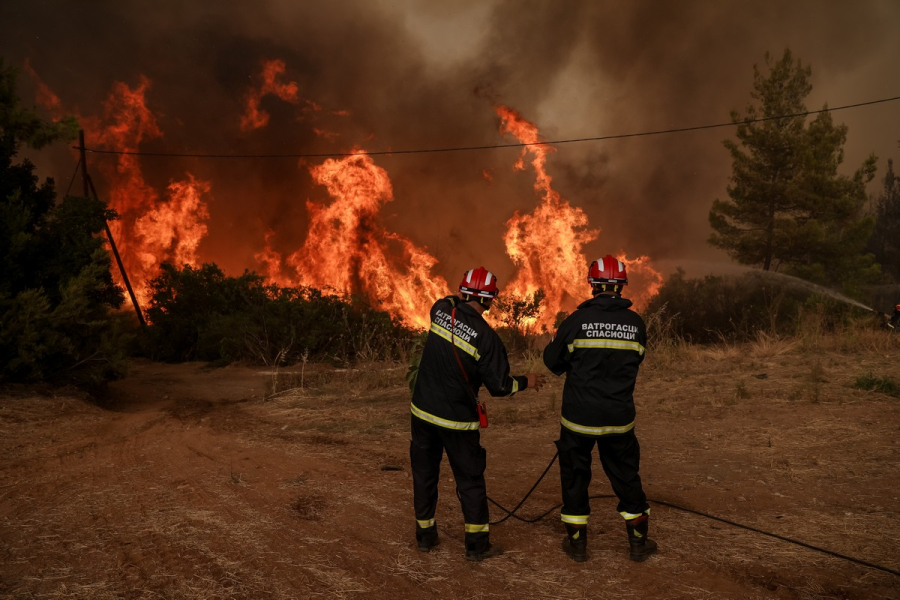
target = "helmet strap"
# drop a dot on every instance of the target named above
(600, 288)
(474, 298)
(485, 302)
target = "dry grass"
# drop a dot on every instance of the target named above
(771, 346)
(260, 499)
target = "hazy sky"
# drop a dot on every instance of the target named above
(401, 74)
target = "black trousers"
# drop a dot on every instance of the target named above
(467, 461)
(620, 455)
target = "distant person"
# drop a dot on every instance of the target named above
(600, 348)
(461, 353)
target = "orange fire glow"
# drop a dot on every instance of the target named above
(347, 248)
(45, 96)
(256, 118)
(174, 229)
(547, 244)
(349, 251)
(271, 261)
(149, 230)
(643, 280)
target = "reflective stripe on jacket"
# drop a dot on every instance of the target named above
(440, 396)
(599, 347)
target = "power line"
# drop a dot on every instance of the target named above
(493, 146)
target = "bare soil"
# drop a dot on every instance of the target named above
(188, 482)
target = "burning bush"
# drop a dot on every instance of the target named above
(202, 314)
(517, 316)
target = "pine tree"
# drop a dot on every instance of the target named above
(790, 209)
(885, 241)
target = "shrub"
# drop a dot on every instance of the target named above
(202, 314)
(883, 385)
(516, 316)
(736, 308)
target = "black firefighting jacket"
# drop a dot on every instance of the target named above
(599, 347)
(440, 396)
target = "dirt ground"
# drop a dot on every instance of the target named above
(185, 481)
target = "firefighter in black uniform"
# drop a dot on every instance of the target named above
(600, 347)
(895, 319)
(461, 353)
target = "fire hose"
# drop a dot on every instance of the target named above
(512, 513)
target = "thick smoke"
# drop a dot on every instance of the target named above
(401, 75)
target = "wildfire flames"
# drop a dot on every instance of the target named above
(256, 118)
(150, 230)
(347, 249)
(546, 244)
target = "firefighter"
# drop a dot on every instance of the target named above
(600, 347)
(895, 319)
(461, 353)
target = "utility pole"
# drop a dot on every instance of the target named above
(89, 190)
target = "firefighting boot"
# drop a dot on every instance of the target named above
(427, 537)
(641, 546)
(575, 543)
(478, 554)
(426, 544)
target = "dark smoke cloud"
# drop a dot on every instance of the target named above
(419, 74)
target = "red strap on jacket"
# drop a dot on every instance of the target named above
(482, 413)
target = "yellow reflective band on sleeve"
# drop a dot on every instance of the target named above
(426, 524)
(460, 343)
(586, 430)
(472, 528)
(605, 343)
(515, 386)
(445, 423)
(574, 519)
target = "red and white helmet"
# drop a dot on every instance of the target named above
(608, 270)
(479, 282)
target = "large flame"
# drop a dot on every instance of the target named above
(547, 244)
(150, 229)
(348, 250)
(174, 228)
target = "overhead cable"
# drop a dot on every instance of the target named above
(491, 146)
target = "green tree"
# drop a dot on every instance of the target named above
(56, 292)
(885, 241)
(789, 209)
